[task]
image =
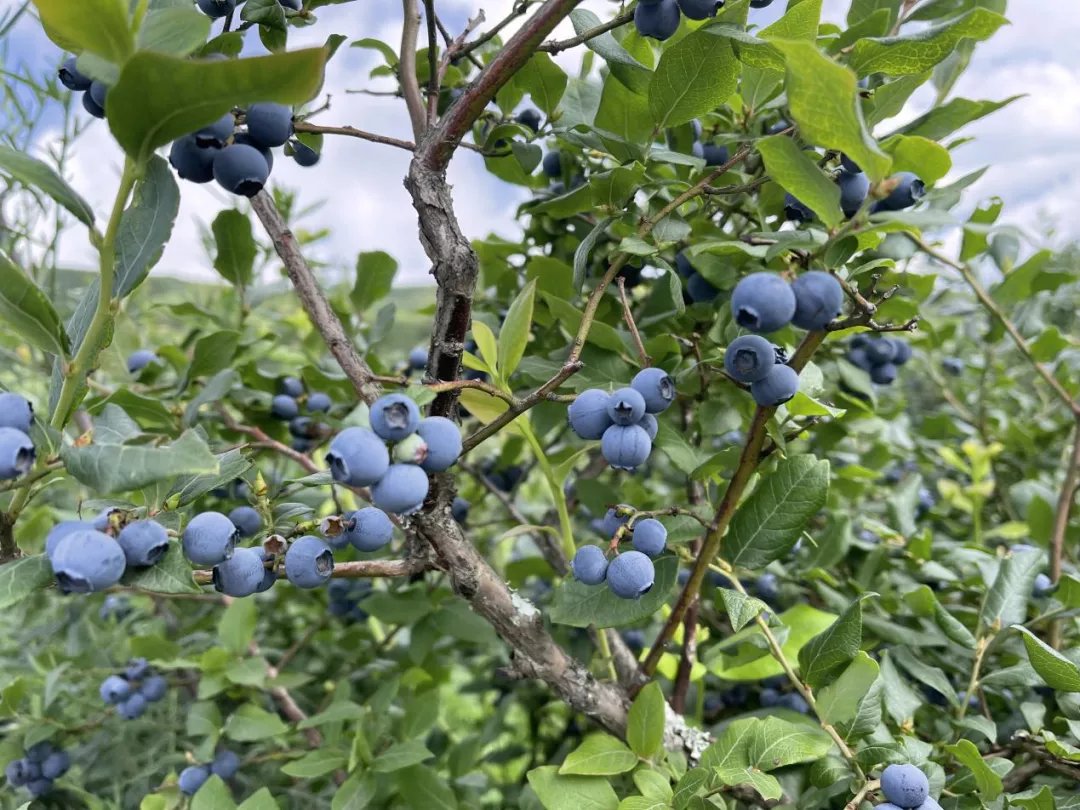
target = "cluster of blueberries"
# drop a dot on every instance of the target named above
(625, 421)
(134, 689)
(41, 765)
(660, 19)
(359, 456)
(286, 406)
(225, 765)
(854, 186)
(89, 556)
(630, 574)
(16, 448)
(765, 302)
(906, 788)
(879, 357)
(344, 598)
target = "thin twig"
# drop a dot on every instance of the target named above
(410, 84)
(555, 46)
(353, 132)
(628, 315)
(434, 74)
(362, 569)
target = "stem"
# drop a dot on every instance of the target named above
(566, 530)
(410, 85)
(1061, 522)
(981, 646)
(643, 356)
(605, 654)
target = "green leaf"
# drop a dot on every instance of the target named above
(987, 781)
(176, 30)
(796, 173)
(375, 272)
(770, 521)
(146, 225)
(268, 13)
(1006, 601)
(98, 26)
(262, 799)
(486, 344)
(695, 76)
(543, 80)
(827, 653)
(315, 764)
(611, 189)
(623, 112)
(27, 311)
(580, 605)
(160, 98)
(775, 743)
(31, 172)
(740, 608)
(213, 795)
(765, 784)
(213, 353)
(599, 755)
(356, 794)
(401, 755)
(839, 702)
(645, 722)
(625, 68)
(423, 787)
(514, 333)
(236, 249)
(231, 465)
(741, 657)
(236, 627)
(1057, 671)
(250, 723)
(910, 153)
(944, 120)
(558, 792)
(110, 468)
(20, 578)
(823, 99)
(919, 52)
(171, 574)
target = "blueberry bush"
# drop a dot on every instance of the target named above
(744, 478)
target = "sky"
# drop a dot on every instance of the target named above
(1031, 147)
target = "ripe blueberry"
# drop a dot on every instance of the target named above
(70, 76)
(247, 520)
(91, 106)
(291, 386)
(1043, 585)
(905, 785)
(700, 290)
(418, 359)
(87, 561)
(650, 537)
(217, 134)
(192, 162)
(16, 412)
(304, 155)
(588, 414)
(552, 165)
(656, 387)
(953, 366)
(853, 191)
(55, 765)
(140, 360)
(459, 509)
(848, 165)
(318, 402)
(114, 689)
(394, 416)
(17, 772)
(144, 542)
(97, 92)
(909, 190)
(192, 778)
(778, 386)
(902, 351)
(649, 424)
(38, 752)
(443, 439)
(154, 688)
(626, 447)
(658, 20)
(700, 9)
(630, 575)
(611, 521)
(294, 5)
(241, 169)
(749, 358)
(209, 538)
(269, 574)
(683, 266)
(368, 529)
(226, 764)
(883, 374)
(762, 4)
(309, 562)
(216, 8)
(626, 406)
(589, 565)
(39, 787)
(714, 154)
(137, 669)
(881, 350)
(818, 299)
(529, 118)
(269, 124)
(763, 302)
(268, 156)
(401, 490)
(357, 457)
(241, 574)
(795, 210)
(16, 453)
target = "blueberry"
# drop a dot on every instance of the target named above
(630, 575)
(611, 522)
(762, 4)
(700, 290)
(953, 366)
(87, 561)
(357, 457)
(853, 191)
(144, 542)
(291, 386)
(881, 350)
(216, 8)
(16, 412)
(767, 587)
(241, 169)
(318, 402)
(884, 374)
(294, 5)
(626, 447)
(749, 358)
(241, 574)
(714, 154)
(552, 165)
(780, 385)
(656, 387)
(191, 162)
(588, 414)
(650, 537)
(192, 778)
(269, 124)
(217, 134)
(154, 688)
(91, 106)
(16, 453)
(17, 772)
(459, 509)
(103, 521)
(901, 351)
(209, 538)
(394, 416)
(401, 490)
(369, 529)
(418, 359)
(140, 359)
(658, 20)
(818, 299)
(98, 92)
(268, 156)
(137, 669)
(649, 424)
(303, 427)
(905, 785)
(589, 565)
(226, 763)
(626, 406)
(443, 438)
(269, 574)
(795, 210)
(909, 190)
(39, 787)
(530, 119)
(763, 302)
(62, 530)
(634, 639)
(39, 752)
(55, 765)
(304, 155)
(309, 562)
(683, 266)
(1043, 586)
(858, 358)
(793, 701)
(114, 689)
(247, 520)
(70, 76)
